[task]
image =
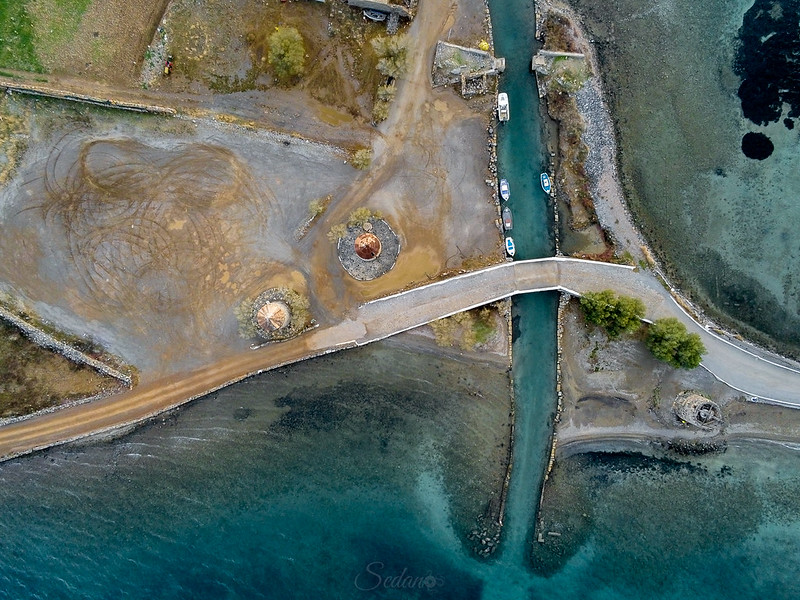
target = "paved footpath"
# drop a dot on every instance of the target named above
(753, 375)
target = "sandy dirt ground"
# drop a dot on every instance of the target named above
(617, 394)
(144, 233)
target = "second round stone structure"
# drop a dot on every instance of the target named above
(369, 250)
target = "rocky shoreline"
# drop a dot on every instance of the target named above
(610, 205)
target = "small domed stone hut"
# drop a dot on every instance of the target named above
(272, 316)
(278, 314)
(697, 410)
(368, 246)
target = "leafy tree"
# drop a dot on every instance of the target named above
(386, 93)
(287, 53)
(380, 111)
(361, 159)
(392, 54)
(614, 314)
(337, 232)
(669, 341)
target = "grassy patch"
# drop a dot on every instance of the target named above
(32, 378)
(17, 50)
(55, 23)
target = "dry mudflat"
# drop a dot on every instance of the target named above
(616, 395)
(144, 233)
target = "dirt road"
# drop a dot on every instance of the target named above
(379, 319)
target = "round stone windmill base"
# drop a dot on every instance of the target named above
(370, 251)
(272, 316)
(695, 409)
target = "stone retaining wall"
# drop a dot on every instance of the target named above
(44, 339)
(47, 92)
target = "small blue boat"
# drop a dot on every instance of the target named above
(510, 249)
(546, 183)
(505, 191)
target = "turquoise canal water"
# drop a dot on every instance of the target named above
(361, 474)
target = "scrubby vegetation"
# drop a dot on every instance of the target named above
(361, 159)
(383, 100)
(470, 329)
(244, 316)
(558, 34)
(361, 215)
(14, 125)
(615, 314)
(392, 54)
(357, 218)
(33, 378)
(337, 232)
(669, 341)
(318, 206)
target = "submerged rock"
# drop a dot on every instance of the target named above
(757, 146)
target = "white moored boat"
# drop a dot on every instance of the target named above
(503, 112)
(545, 178)
(505, 191)
(510, 249)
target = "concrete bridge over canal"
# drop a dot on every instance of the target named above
(755, 376)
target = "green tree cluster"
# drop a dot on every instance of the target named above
(615, 314)
(669, 341)
(287, 53)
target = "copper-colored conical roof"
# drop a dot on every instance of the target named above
(272, 316)
(368, 246)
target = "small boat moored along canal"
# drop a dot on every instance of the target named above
(545, 178)
(510, 249)
(503, 112)
(375, 15)
(505, 191)
(507, 222)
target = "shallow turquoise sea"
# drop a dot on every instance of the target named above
(336, 489)
(724, 222)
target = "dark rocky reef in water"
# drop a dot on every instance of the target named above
(768, 61)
